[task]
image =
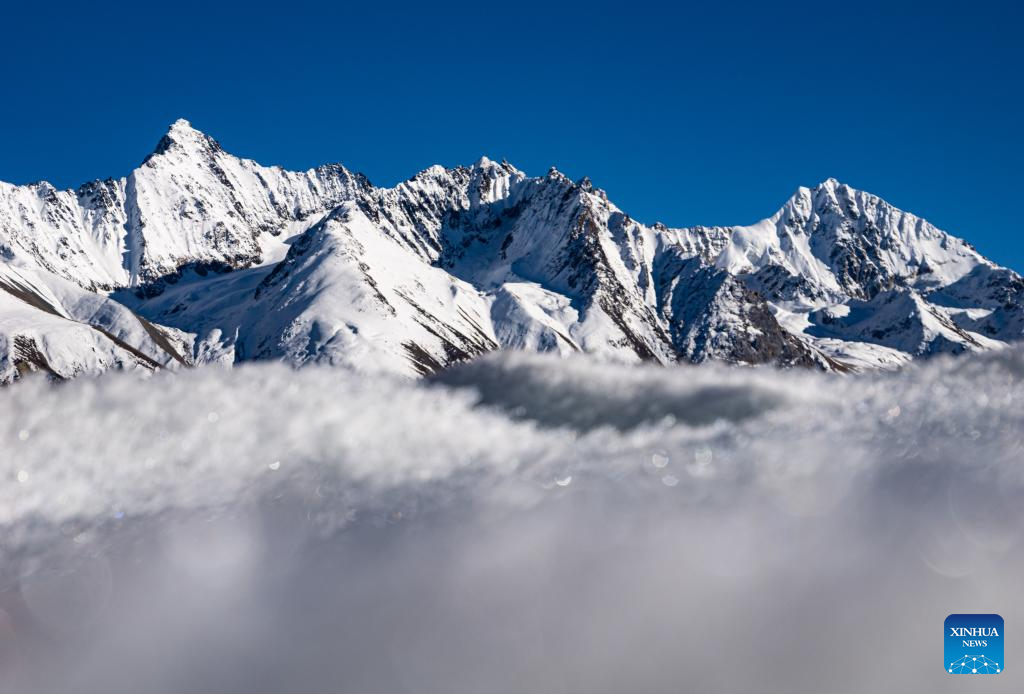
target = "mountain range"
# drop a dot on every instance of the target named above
(200, 257)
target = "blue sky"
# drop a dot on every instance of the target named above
(709, 115)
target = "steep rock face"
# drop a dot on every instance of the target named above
(189, 204)
(713, 315)
(564, 238)
(75, 235)
(198, 257)
(192, 204)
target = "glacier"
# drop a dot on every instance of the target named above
(518, 522)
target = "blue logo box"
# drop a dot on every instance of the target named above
(974, 644)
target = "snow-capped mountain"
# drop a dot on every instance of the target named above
(198, 256)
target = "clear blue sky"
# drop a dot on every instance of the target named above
(709, 115)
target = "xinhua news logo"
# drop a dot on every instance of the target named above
(974, 644)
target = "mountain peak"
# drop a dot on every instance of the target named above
(181, 125)
(490, 181)
(182, 135)
(182, 132)
(487, 165)
(805, 199)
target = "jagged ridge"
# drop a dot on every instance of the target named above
(198, 256)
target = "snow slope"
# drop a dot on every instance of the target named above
(241, 262)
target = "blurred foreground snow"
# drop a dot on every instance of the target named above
(520, 524)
